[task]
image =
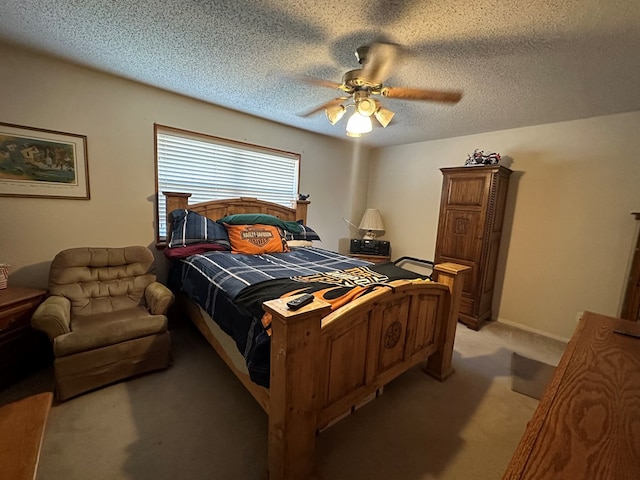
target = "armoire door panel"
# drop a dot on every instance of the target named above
(466, 192)
(462, 234)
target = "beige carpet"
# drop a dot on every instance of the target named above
(195, 420)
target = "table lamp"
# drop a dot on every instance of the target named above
(372, 223)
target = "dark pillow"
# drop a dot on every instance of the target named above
(188, 227)
(259, 219)
(306, 233)
(188, 250)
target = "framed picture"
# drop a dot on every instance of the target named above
(42, 163)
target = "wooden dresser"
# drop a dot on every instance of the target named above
(469, 229)
(587, 424)
(22, 349)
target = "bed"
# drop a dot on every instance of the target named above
(327, 358)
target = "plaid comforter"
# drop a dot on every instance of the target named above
(232, 287)
(232, 272)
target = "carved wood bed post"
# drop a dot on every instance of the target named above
(293, 410)
(301, 210)
(176, 200)
(451, 275)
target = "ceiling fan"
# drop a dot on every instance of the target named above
(367, 82)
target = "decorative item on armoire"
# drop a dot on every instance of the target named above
(478, 157)
(4, 275)
(472, 209)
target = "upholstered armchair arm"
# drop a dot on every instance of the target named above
(53, 316)
(158, 297)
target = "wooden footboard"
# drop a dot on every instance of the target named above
(323, 365)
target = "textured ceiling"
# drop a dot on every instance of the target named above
(518, 62)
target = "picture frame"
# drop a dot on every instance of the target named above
(35, 162)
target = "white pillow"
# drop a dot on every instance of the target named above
(299, 243)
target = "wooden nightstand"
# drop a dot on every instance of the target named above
(22, 349)
(372, 258)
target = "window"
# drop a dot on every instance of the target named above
(212, 168)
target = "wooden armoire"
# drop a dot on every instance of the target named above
(472, 209)
(631, 306)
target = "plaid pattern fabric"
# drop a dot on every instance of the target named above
(232, 272)
(306, 233)
(214, 280)
(189, 227)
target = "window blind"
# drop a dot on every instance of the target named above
(212, 168)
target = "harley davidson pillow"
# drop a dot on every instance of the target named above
(256, 239)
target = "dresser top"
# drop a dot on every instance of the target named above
(12, 295)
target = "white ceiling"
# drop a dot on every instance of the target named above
(519, 62)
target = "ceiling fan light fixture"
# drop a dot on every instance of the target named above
(358, 124)
(334, 113)
(361, 87)
(365, 106)
(383, 116)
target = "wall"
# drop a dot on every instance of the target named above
(117, 116)
(568, 236)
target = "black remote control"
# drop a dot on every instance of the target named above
(300, 301)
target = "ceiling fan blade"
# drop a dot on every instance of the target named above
(422, 94)
(379, 60)
(318, 81)
(324, 106)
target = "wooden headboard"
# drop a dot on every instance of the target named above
(216, 209)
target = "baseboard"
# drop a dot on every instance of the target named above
(532, 330)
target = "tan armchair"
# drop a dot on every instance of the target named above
(105, 317)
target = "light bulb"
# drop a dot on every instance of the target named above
(358, 124)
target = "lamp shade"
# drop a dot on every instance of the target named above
(335, 113)
(358, 124)
(383, 116)
(371, 222)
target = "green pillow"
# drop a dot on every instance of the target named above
(261, 219)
